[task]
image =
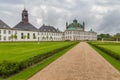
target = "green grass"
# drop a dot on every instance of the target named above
(114, 48)
(22, 51)
(27, 73)
(111, 46)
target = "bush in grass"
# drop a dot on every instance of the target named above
(8, 68)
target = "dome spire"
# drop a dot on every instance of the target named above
(24, 7)
(66, 25)
(75, 20)
(83, 26)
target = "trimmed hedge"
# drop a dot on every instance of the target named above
(8, 68)
(109, 52)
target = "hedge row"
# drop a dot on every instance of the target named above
(8, 68)
(109, 52)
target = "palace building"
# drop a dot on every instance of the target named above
(76, 31)
(25, 31)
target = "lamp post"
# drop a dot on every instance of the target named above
(102, 39)
(38, 38)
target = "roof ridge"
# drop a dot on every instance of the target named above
(25, 26)
(4, 25)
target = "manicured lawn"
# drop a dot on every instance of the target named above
(22, 51)
(111, 48)
(110, 51)
(114, 48)
(29, 57)
(27, 73)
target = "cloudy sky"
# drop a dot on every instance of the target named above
(103, 16)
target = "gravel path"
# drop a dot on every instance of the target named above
(80, 63)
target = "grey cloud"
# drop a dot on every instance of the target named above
(11, 1)
(111, 22)
(108, 2)
(57, 12)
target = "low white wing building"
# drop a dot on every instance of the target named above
(49, 33)
(5, 31)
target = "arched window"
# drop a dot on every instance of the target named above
(34, 37)
(0, 37)
(22, 36)
(28, 36)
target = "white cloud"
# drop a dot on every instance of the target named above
(100, 9)
(39, 21)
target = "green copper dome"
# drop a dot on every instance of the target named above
(75, 26)
(91, 30)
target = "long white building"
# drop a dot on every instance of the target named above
(25, 31)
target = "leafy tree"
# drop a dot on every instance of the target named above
(13, 36)
(117, 37)
(47, 37)
(105, 37)
(43, 38)
(51, 38)
(24, 37)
